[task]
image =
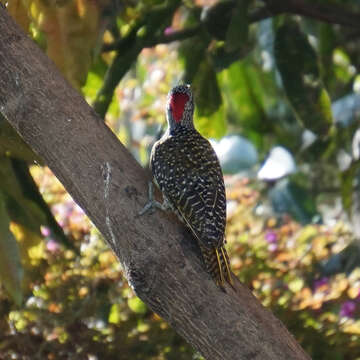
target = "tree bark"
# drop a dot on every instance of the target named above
(157, 254)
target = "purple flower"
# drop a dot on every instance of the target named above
(79, 209)
(169, 30)
(271, 237)
(347, 309)
(272, 247)
(45, 231)
(320, 282)
(52, 246)
(63, 210)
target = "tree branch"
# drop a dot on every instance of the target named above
(330, 13)
(183, 34)
(162, 39)
(157, 255)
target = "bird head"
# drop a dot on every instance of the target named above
(180, 107)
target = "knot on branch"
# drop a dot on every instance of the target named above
(138, 279)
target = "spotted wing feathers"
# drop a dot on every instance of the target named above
(188, 173)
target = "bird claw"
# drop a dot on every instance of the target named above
(148, 207)
(151, 206)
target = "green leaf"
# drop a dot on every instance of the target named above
(297, 63)
(222, 58)
(115, 314)
(342, 66)
(216, 18)
(245, 95)
(238, 30)
(349, 181)
(137, 306)
(213, 126)
(24, 203)
(296, 285)
(207, 93)
(94, 80)
(20, 207)
(11, 271)
(193, 53)
(327, 44)
(11, 144)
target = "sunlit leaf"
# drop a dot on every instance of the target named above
(114, 315)
(245, 97)
(32, 246)
(18, 320)
(342, 66)
(213, 126)
(94, 80)
(296, 285)
(352, 328)
(142, 326)
(137, 306)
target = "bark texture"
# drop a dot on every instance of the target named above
(157, 254)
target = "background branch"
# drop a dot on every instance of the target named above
(330, 13)
(156, 253)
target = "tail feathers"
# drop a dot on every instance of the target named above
(217, 264)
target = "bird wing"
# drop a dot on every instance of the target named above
(192, 181)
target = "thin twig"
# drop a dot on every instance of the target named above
(183, 34)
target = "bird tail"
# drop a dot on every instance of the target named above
(217, 264)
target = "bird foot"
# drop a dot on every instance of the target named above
(152, 204)
(150, 207)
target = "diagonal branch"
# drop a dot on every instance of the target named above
(122, 44)
(130, 48)
(105, 180)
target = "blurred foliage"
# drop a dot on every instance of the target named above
(279, 73)
(67, 30)
(300, 74)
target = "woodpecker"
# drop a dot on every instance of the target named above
(188, 173)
